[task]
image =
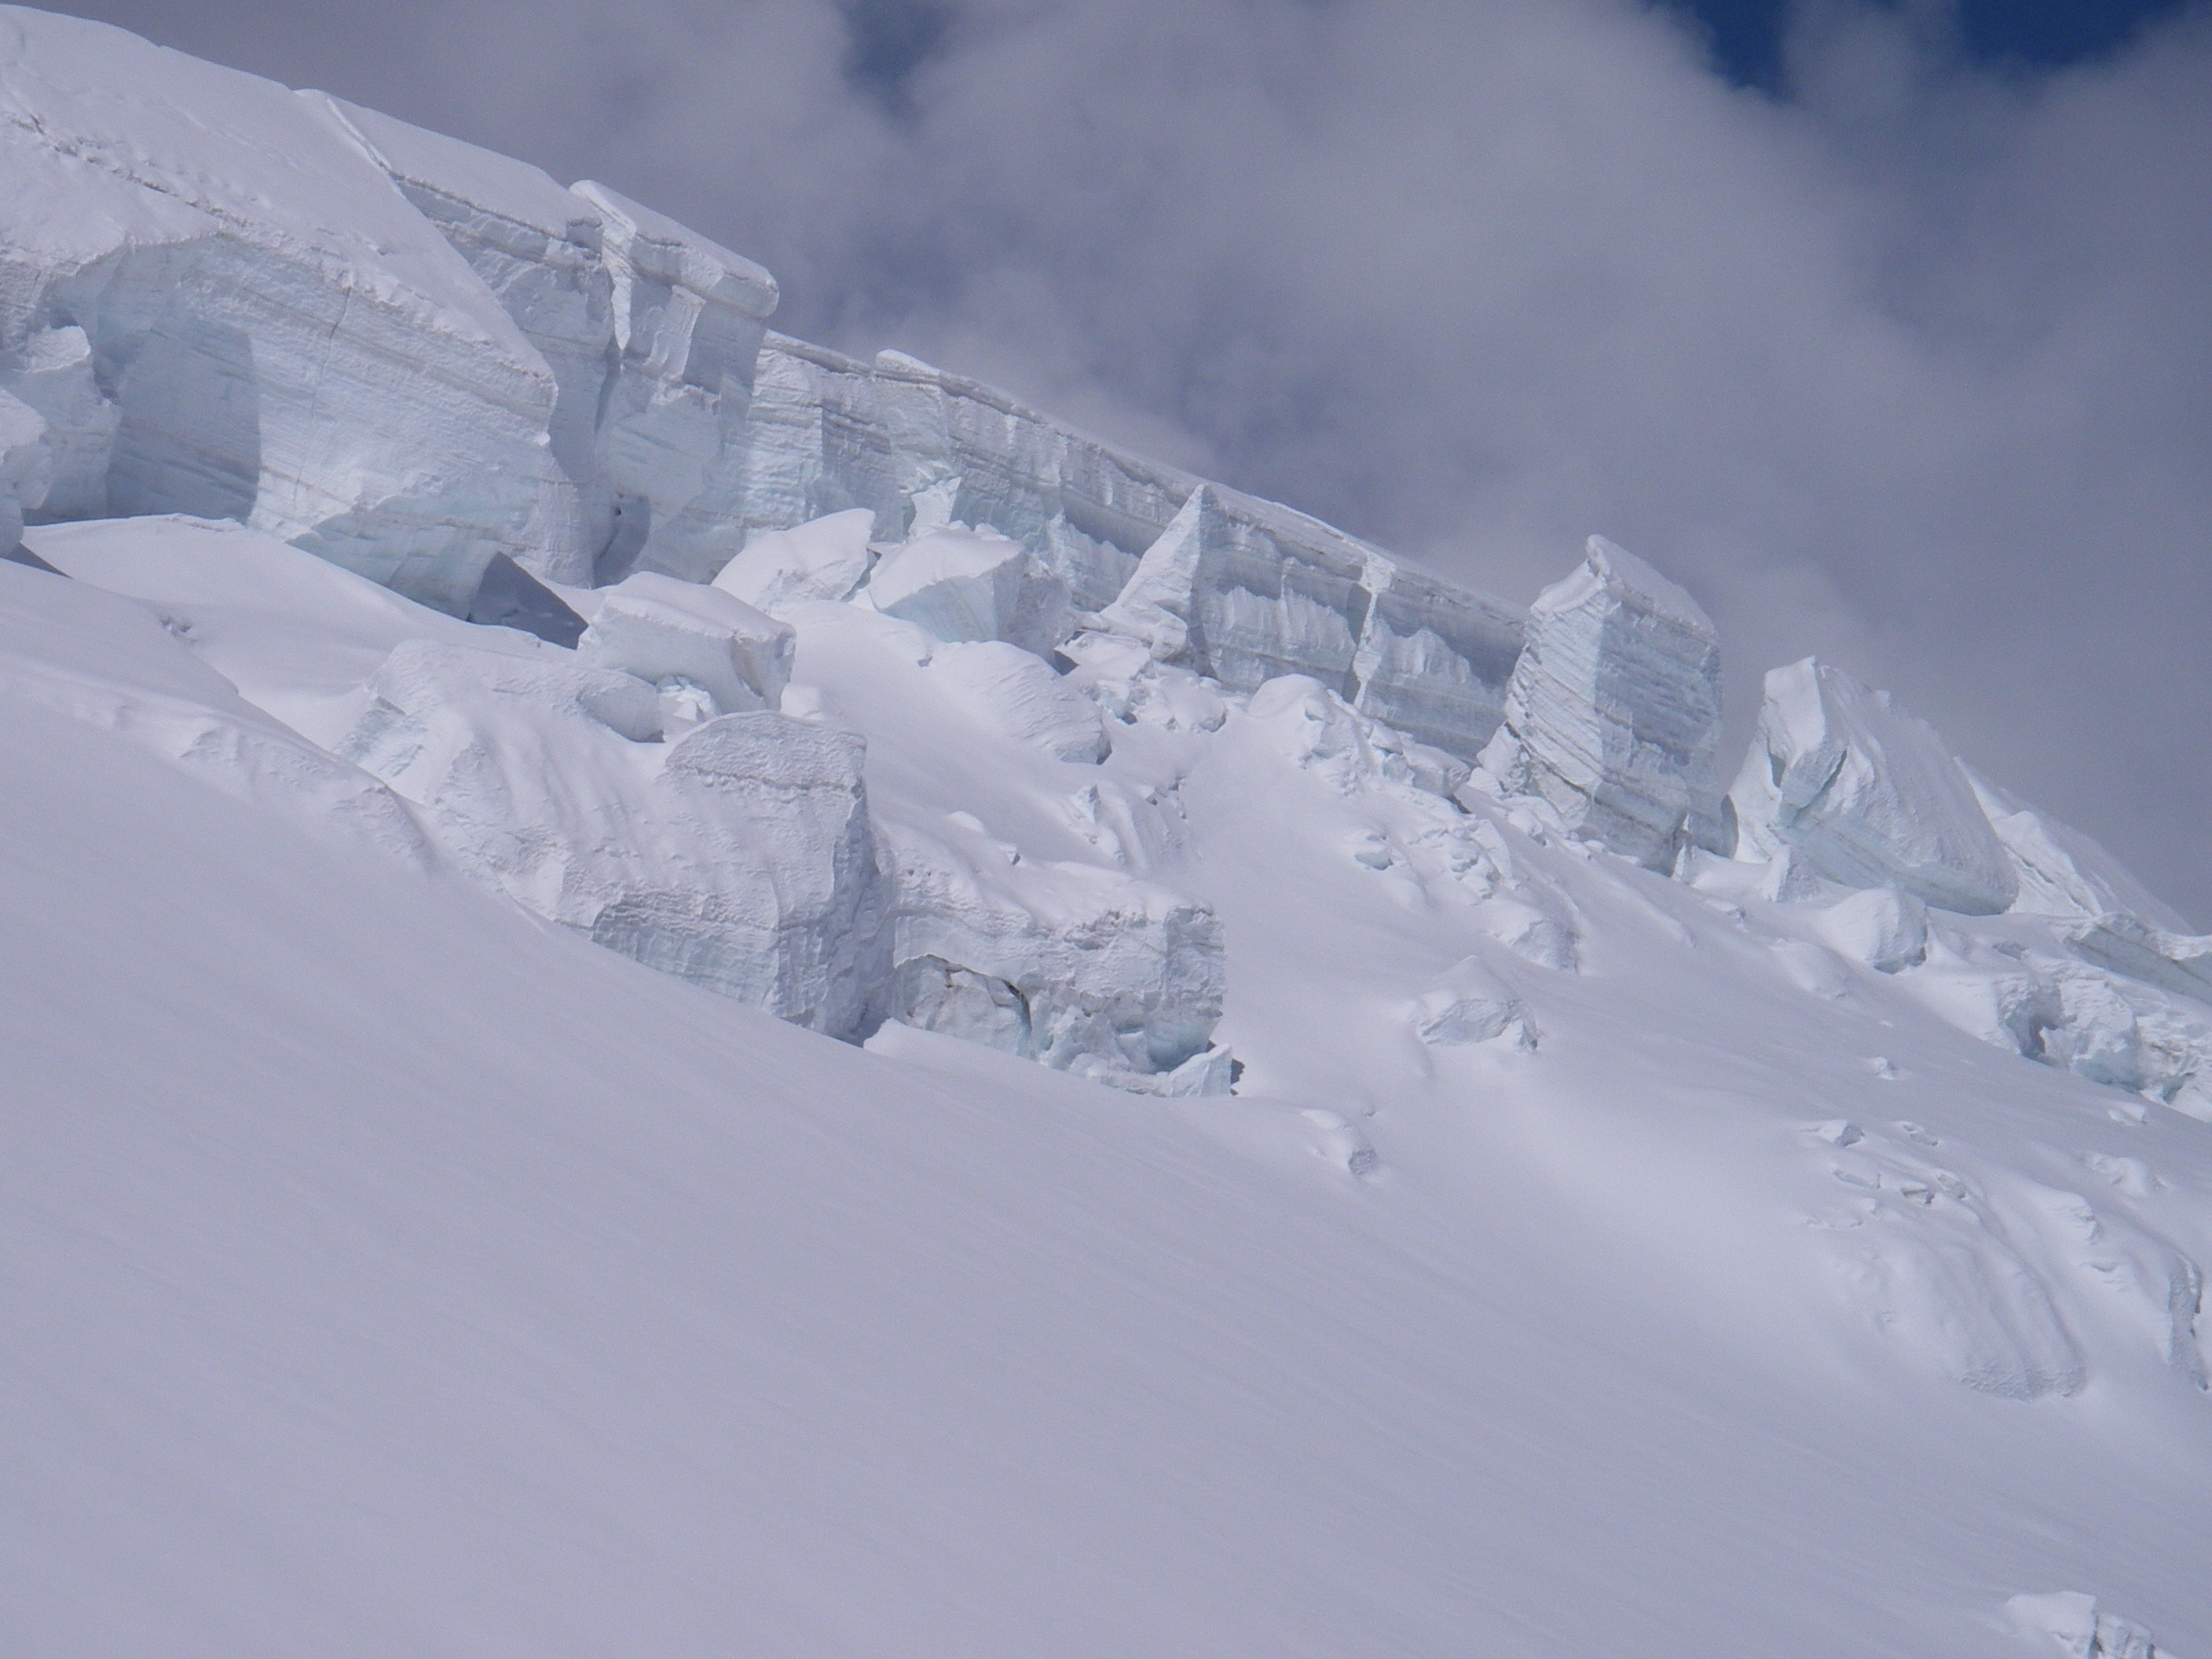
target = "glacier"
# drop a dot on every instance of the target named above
(575, 865)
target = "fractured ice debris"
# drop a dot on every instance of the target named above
(1015, 694)
(2077, 1627)
(53, 371)
(740, 856)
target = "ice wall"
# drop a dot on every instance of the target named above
(818, 443)
(690, 316)
(650, 331)
(25, 466)
(1243, 590)
(1226, 584)
(268, 331)
(920, 448)
(415, 357)
(1614, 710)
(536, 246)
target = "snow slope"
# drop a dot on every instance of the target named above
(389, 1272)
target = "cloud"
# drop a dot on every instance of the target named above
(1912, 367)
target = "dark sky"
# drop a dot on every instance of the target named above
(1883, 327)
(1748, 36)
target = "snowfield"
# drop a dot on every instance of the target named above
(929, 1039)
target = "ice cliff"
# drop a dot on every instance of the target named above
(221, 306)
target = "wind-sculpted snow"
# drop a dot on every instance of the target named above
(1614, 709)
(1589, 1149)
(2060, 871)
(108, 662)
(1869, 794)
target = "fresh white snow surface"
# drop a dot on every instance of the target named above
(389, 1272)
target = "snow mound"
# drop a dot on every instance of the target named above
(109, 662)
(1883, 928)
(1869, 794)
(1613, 712)
(1471, 1005)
